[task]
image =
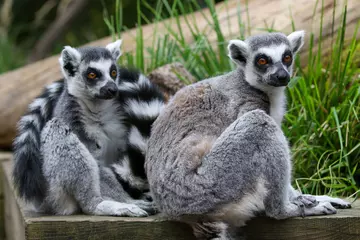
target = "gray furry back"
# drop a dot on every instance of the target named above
(184, 134)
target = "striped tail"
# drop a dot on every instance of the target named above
(142, 102)
(27, 173)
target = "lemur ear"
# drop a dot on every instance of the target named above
(69, 60)
(238, 51)
(296, 40)
(114, 49)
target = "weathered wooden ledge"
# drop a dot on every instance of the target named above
(3, 157)
(21, 225)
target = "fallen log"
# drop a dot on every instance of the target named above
(20, 86)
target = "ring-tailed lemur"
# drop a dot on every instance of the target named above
(217, 151)
(81, 145)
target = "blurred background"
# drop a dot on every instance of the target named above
(31, 30)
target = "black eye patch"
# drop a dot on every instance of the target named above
(284, 60)
(92, 70)
(113, 68)
(259, 62)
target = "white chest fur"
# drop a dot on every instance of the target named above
(103, 124)
(277, 104)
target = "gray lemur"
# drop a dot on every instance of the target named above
(81, 145)
(217, 151)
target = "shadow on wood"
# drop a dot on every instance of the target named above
(21, 225)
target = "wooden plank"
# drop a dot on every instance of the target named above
(23, 224)
(100, 228)
(4, 156)
(345, 225)
(14, 219)
(21, 86)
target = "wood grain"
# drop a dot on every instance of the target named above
(343, 226)
(14, 218)
(23, 224)
(4, 156)
(20, 86)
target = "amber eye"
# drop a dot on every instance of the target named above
(113, 73)
(287, 59)
(262, 61)
(91, 75)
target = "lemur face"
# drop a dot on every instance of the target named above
(91, 72)
(272, 65)
(267, 59)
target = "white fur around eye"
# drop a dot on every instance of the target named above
(274, 51)
(103, 65)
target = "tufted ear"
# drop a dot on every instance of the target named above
(69, 60)
(114, 49)
(238, 51)
(296, 40)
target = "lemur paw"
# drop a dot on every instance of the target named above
(335, 202)
(323, 208)
(339, 203)
(148, 206)
(305, 201)
(113, 208)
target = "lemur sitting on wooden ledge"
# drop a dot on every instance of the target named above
(217, 155)
(81, 145)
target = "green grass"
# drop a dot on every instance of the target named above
(322, 122)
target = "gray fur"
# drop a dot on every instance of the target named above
(217, 151)
(86, 137)
(265, 40)
(77, 181)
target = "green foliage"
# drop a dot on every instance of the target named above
(322, 122)
(10, 56)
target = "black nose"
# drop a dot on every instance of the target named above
(108, 91)
(282, 75)
(280, 78)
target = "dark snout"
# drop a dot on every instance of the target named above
(280, 78)
(108, 91)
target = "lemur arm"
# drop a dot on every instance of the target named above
(250, 106)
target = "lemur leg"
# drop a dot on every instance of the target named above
(279, 205)
(251, 163)
(112, 189)
(300, 199)
(73, 176)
